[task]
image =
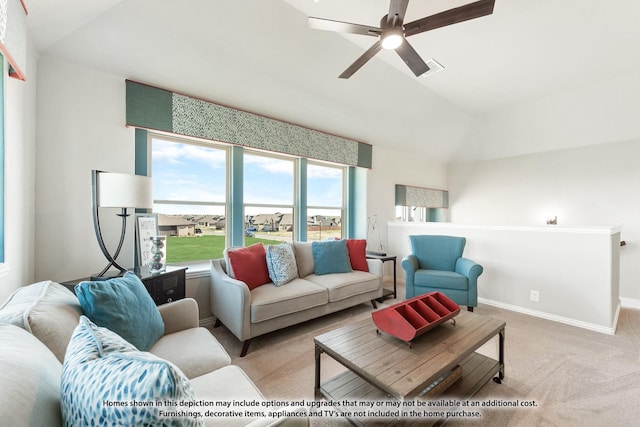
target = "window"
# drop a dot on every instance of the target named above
(191, 185)
(325, 201)
(189, 192)
(268, 197)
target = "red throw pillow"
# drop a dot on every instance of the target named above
(357, 254)
(249, 265)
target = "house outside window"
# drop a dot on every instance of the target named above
(189, 192)
(268, 185)
(192, 200)
(325, 201)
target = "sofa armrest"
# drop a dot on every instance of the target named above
(179, 315)
(230, 301)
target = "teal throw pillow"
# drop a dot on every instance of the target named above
(331, 256)
(107, 382)
(123, 305)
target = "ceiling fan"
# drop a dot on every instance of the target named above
(393, 33)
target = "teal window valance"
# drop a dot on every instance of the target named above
(149, 107)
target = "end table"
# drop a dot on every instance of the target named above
(385, 258)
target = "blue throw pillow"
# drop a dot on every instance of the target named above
(123, 305)
(105, 381)
(331, 256)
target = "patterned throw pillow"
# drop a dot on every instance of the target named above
(281, 263)
(106, 381)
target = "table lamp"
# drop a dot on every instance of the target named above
(117, 190)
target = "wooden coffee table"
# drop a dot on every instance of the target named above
(382, 367)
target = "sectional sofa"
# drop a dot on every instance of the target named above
(37, 325)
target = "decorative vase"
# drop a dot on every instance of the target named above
(158, 254)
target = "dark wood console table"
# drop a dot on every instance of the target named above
(163, 287)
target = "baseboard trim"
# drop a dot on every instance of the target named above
(630, 303)
(555, 318)
(207, 321)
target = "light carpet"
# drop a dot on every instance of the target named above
(576, 377)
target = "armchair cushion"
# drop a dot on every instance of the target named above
(440, 279)
(123, 305)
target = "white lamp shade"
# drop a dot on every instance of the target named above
(119, 190)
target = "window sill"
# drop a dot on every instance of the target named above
(195, 269)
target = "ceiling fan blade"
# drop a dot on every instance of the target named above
(342, 27)
(397, 9)
(412, 59)
(370, 53)
(449, 17)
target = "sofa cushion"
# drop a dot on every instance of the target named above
(237, 386)
(46, 309)
(123, 305)
(249, 265)
(268, 302)
(341, 286)
(358, 254)
(281, 263)
(195, 351)
(440, 279)
(304, 258)
(29, 380)
(331, 256)
(104, 376)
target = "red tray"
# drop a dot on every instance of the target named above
(413, 317)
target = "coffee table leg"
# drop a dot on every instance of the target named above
(317, 393)
(500, 376)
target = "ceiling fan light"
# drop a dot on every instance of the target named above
(391, 38)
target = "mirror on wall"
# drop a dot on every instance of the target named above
(420, 204)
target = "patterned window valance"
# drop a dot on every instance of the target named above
(407, 195)
(158, 109)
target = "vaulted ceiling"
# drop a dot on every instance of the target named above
(259, 55)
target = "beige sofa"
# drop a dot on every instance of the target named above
(36, 324)
(250, 313)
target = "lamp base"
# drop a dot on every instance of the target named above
(108, 275)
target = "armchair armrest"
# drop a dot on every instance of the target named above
(179, 315)
(410, 264)
(468, 268)
(230, 301)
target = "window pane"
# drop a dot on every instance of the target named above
(323, 224)
(324, 186)
(269, 225)
(268, 198)
(268, 180)
(189, 183)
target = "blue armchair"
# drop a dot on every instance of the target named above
(436, 264)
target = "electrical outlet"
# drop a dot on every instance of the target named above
(534, 296)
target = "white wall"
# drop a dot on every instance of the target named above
(20, 171)
(81, 116)
(391, 167)
(593, 180)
